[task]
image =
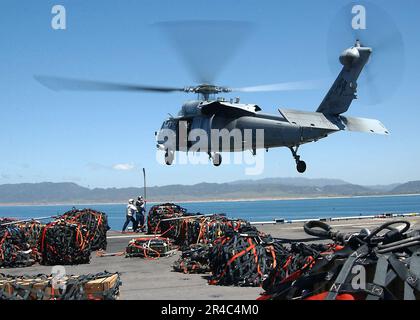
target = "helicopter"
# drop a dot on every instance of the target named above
(209, 111)
(289, 128)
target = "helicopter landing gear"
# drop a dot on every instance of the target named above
(169, 157)
(216, 158)
(300, 165)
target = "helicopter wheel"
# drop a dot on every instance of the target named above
(301, 166)
(217, 159)
(169, 157)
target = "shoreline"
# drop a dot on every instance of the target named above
(326, 197)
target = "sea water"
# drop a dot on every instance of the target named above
(249, 210)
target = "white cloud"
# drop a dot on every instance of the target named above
(123, 167)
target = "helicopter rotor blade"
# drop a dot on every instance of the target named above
(206, 46)
(374, 28)
(285, 86)
(69, 84)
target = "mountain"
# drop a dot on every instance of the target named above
(45, 192)
(384, 188)
(271, 188)
(297, 182)
(412, 187)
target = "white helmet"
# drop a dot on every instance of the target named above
(131, 201)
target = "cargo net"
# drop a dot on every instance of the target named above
(206, 230)
(94, 221)
(158, 213)
(237, 254)
(15, 251)
(32, 231)
(64, 243)
(149, 248)
(290, 263)
(239, 260)
(101, 286)
(69, 239)
(197, 236)
(195, 259)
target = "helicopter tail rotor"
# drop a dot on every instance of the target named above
(368, 25)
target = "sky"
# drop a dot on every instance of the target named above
(104, 139)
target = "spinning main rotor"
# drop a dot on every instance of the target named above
(198, 44)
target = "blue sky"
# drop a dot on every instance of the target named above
(81, 137)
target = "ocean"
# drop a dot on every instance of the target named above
(250, 210)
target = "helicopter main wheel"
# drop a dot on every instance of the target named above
(217, 159)
(301, 166)
(169, 157)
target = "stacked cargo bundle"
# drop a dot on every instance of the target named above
(241, 260)
(157, 213)
(94, 221)
(64, 243)
(199, 234)
(194, 260)
(292, 262)
(152, 248)
(14, 248)
(67, 240)
(101, 286)
(237, 254)
(32, 231)
(208, 229)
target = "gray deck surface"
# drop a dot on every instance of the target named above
(154, 279)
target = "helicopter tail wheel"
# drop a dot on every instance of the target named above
(300, 165)
(169, 157)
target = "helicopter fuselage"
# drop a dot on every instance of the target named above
(230, 121)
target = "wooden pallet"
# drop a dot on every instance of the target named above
(93, 290)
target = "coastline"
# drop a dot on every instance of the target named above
(325, 197)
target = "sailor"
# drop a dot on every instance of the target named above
(130, 212)
(140, 206)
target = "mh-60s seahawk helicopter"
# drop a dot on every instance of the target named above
(289, 128)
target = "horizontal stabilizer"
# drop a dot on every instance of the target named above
(364, 125)
(308, 119)
(334, 123)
